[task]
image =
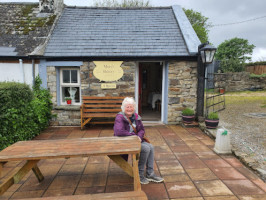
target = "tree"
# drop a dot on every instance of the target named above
(199, 23)
(123, 3)
(233, 54)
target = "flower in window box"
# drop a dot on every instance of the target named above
(68, 100)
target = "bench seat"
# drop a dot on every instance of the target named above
(101, 108)
(136, 195)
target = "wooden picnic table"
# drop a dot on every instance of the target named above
(35, 150)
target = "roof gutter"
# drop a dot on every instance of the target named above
(115, 58)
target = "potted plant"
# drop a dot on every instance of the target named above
(212, 120)
(188, 115)
(221, 90)
(68, 100)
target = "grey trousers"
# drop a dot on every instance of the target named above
(146, 159)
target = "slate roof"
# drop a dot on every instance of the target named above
(117, 32)
(21, 29)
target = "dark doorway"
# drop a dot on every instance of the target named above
(150, 91)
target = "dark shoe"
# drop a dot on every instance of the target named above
(154, 178)
(143, 180)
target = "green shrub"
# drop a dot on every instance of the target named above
(23, 112)
(257, 76)
(213, 116)
(232, 65)
(188, 112)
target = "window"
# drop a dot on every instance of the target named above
(70, 85)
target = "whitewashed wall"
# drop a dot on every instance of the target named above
(14, 72)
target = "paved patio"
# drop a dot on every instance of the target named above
(184, 157)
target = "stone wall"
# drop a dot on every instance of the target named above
(182, 80)
(238, 81)
(182, 89)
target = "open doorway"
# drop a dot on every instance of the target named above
(150, 91)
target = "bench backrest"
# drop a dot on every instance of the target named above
(108, 105)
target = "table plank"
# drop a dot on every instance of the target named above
(44, 149)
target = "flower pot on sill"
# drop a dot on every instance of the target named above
(188, 119)
(68, 101)
(211, 123)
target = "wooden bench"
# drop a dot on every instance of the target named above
(33, 151)
(136, 195)
(99, 107)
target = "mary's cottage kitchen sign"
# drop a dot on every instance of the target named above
(108, 70)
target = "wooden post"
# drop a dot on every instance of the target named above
(136, 173)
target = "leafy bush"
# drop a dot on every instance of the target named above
(213, 116)
(23, 112)
(232, 65)
(188, 112)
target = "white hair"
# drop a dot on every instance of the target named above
(126, 101)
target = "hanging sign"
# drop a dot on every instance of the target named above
(108, 70)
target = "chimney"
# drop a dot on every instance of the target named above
(51, 6)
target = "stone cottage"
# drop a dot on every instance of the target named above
(154, 49)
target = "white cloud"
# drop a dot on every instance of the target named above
(259, 54)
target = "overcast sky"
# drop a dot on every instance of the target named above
(219, 12)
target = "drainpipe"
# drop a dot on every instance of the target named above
(33, 72)
(22, 70)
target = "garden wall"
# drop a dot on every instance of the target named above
(238, 81)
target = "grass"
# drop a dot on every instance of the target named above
(240, 97)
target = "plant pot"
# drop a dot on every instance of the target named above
(188, 119)
(212, 124)
(68, 101)
(221, 90)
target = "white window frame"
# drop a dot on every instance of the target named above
(69, 84)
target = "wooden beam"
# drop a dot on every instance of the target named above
(123, 164)
(136, 173)
(16, 176)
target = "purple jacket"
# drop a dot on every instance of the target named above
(122, 126)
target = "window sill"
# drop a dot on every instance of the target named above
(67, 107)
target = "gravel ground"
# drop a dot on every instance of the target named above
(248, 132)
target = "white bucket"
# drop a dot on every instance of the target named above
(222, 142)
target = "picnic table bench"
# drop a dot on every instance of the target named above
(100, 108)
(35, 150)
(136, 195)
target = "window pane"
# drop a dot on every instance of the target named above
(66, 76)
(72, 92)
(74, 76)
(65, 93)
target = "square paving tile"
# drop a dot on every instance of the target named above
(260, 183)
(247, 173)
(176, 178)
(201, 174)
(119, 179)
(180, 148)
(96, 169)
(213, 188)
(221, 198)
(63, 182)
(252, 197)
(27, 194)
(182, 189)
(164, 156)
(214, 163)
(71, 169)
(200, 148)
(119, 188)
(59, 192)
(93, 180)
(192, 198)
(191, 161)
(233, 161)
(227, 173)
(90, 190)
(240, 187)
(155, 191)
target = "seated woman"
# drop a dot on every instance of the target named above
(124, 127)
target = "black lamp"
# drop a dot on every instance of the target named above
(205, 56)
(207, 52)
